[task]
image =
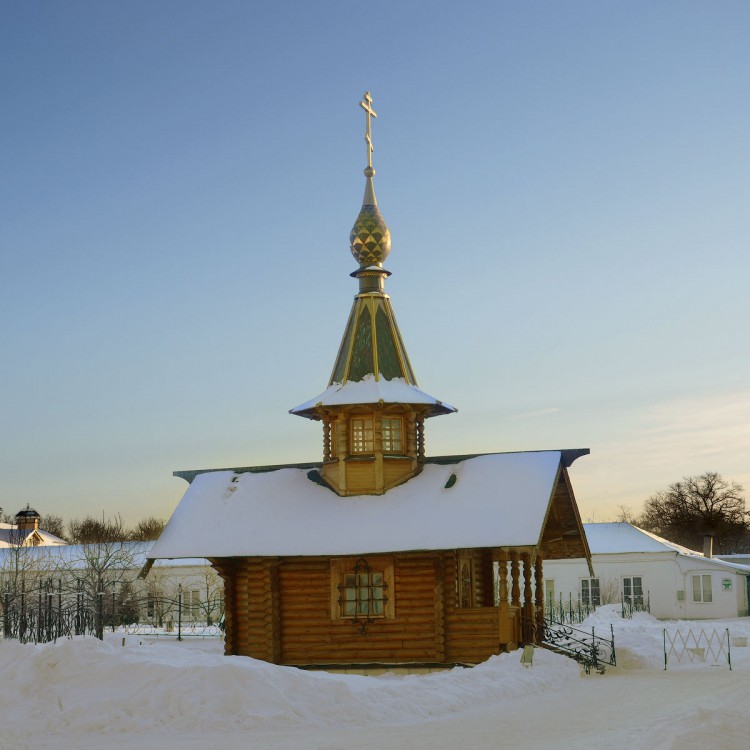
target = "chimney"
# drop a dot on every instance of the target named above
(708, 545)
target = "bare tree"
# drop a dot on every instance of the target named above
(101, 558)
(23, 566)
(210, 602)
(626, 515)
(161, 596)
(697, 506)
(94, 531)
(148, 529)
(53, 524)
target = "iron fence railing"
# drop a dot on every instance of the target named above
(635, 604)
(51, 610)
(572, 611)
(575, 611)
(592, 651)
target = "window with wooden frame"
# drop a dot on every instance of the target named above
(362, 434)
(362, 589)
(392, 431)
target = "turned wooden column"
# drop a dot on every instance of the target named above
(515, 600)
(528, 603)
(503, 608)
(515, 585)
(327, 445)
(539, 583)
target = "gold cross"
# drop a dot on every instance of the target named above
(367, 106)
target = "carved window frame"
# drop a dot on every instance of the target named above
(466, 581)
(342, 569)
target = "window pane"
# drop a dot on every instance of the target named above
(391, 431)
(363, 593)
(707, 594)
(697, 589)
(595, 592)
(362, 435)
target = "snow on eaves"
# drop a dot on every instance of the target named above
(371, 391)
(78, 556)
(623, 538)
(497, 499)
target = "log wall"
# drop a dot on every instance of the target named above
(280, 610)
(309, 634)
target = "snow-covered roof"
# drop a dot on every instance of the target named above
(623, 538)
(619, 537)
(370, 390)
(12, 536)
(497, 499)
(78, 556)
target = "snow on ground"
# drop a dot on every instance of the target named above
(82, 693)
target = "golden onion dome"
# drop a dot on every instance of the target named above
(370, 238)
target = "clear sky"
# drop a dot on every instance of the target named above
(566, 185)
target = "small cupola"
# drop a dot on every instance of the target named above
(27, 519)
(373, 411)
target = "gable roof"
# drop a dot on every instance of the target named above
(497, 500)
(624, 538)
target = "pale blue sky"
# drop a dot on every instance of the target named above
(566, 184)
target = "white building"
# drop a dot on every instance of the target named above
(109, 567)
(633, 566)
(25, 532)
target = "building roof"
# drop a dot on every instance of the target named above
(499, 499)
(12, 536)
(78, 556)
(624, 538)
(372, 390)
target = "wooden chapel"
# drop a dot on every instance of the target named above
(379, 555)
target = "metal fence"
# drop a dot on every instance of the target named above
(569, 612)
(590, 650)
(712, 647)
(575, 611)
(52, 610)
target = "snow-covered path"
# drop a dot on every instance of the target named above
(82, 694)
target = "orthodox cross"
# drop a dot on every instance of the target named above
(366, 104)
